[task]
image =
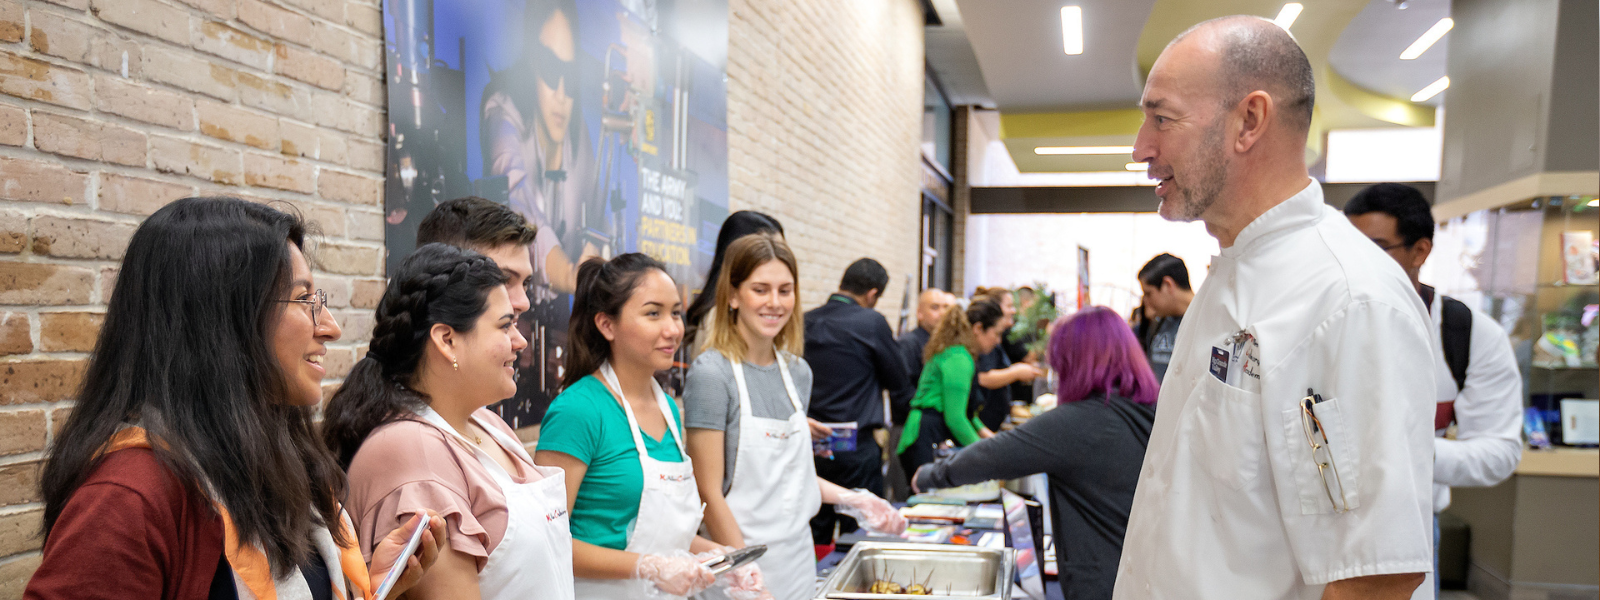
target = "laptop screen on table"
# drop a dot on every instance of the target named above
(1029, 575)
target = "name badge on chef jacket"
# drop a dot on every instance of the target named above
(1237, 362)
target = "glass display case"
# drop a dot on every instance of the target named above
(1532, 267)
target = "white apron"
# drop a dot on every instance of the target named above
(669, 505)
(534, 558)
(774, 492)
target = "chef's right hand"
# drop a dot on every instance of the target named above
(679, 574)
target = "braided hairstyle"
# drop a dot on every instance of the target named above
(604, 286)
(437, 284)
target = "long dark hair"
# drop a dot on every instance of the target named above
(436, 284)
(603, 287)
(737, 225)
(185, 353)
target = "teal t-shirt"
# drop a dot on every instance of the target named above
(586, 423)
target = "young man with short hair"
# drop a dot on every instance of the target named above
(1475, 373)
(1165, 282)
(490, 229)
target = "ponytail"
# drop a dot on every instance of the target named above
(603, 287)
(436, 284)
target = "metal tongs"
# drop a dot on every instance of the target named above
(735, 559)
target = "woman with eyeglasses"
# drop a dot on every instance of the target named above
(619, 438)
(189, 468)
(1091, 446)
(411, 425)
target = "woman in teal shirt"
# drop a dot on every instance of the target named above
(942, 410)
(634, 507)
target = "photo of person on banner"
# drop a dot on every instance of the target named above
(601, 122)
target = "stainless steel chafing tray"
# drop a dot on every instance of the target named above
(950, 572)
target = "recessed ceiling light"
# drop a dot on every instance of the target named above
(1432, 90)
(1137, 166)
(1081, 150)
(1288, 14)
(1072, 29)
(1428, 39)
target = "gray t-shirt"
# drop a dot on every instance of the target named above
(711, 398)
(1160, 348)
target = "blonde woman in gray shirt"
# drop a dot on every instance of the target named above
(745, 401)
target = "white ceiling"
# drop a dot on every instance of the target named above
(1018, 46)
(1368, 51)
(950, 55)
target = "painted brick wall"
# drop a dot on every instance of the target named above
(824, 122)
(110, 109)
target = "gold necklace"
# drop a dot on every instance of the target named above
(476, 439)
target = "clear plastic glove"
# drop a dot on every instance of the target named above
(676, 574)
(743, 583)
(871, 511)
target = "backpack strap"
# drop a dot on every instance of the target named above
(1455, 332)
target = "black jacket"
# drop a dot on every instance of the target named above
(853, 358)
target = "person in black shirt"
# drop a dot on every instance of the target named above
(931, 305)
(1165, 281)
(853, 359)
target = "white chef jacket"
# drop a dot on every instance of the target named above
(1229, 502)
(1488, 410)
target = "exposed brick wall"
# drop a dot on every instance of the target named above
(109, 109)
(824, 123)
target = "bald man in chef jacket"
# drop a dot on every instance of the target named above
(1292, 451)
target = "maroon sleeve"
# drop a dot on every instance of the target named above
(130, 531)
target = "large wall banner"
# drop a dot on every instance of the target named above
(604, 122)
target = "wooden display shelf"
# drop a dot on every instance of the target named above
(1561, 462)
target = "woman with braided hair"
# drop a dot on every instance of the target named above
(410, 425)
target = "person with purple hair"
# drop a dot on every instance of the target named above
(1091, 446)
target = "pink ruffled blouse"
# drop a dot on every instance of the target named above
(409, 466)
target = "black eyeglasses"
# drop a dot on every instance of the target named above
(318, 302)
